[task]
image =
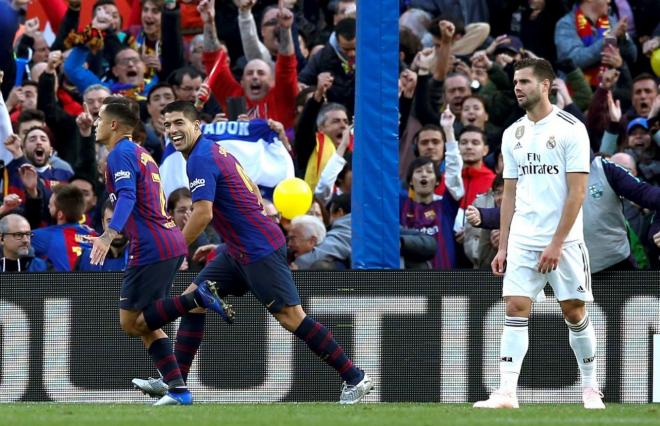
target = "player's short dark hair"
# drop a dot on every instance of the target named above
(541, 68)
(419, 162)
(186, 107)
(346, 28)
(342, 201)
(409, 44)
(475, 129)
(176, 196)
(70, 201)
(125, 110)
(31, 114)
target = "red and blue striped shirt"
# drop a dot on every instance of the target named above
(215, 175)
(132, 176)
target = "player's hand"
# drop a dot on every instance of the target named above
(202, 252)
(549, 260)
(498, 265)
(184, 265)
(29, 178)
(608, 78)
(15, 98)
(473, 216)
(460, 236)
(100, 249)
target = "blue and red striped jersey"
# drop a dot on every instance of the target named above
(215, 175)
(132, 177)
(62, 244)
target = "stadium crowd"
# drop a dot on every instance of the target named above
(287, 70)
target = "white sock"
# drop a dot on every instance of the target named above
(513, 347)
(582, 338)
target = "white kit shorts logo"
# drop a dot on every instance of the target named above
(196, 184)
(122, 174)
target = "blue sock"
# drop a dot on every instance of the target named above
(320, 340)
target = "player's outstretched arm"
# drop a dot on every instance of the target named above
(200, 217)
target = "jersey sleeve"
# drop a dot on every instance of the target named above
(577, 149)
(123, 170)
(202, 178)
(510, 165)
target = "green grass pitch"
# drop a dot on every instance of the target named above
(320, 414)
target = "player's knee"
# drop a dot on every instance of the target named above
(575, 316)
(290, 317)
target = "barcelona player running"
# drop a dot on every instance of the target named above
(255, 255)
(156, 250)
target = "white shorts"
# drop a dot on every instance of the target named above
(570, 281)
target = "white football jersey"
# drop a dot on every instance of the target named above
(539, 155)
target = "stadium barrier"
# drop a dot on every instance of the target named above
(423, 337)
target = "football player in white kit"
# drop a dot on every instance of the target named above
(546, 166)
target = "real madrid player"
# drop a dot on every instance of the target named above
(546, 165)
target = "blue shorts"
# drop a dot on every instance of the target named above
(142, 285)
(269, 279)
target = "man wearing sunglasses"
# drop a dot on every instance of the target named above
(15, 238)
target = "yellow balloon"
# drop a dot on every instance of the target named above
(655, 62)
(292, 197)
